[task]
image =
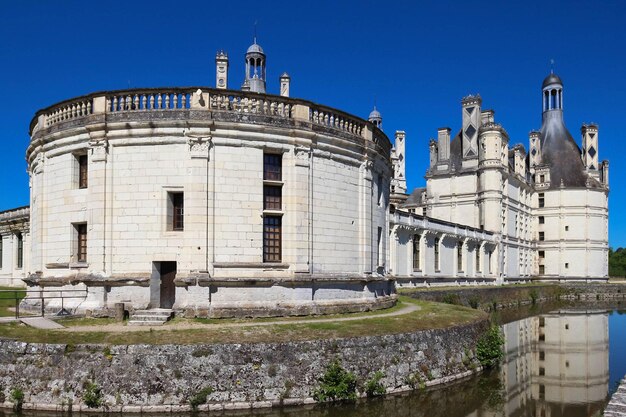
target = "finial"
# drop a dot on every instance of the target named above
(255, 24)
(552, 66)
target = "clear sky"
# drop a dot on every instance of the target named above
(416, 59)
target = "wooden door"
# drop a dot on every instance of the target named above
(168, 289)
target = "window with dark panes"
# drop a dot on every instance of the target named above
(272, 229)
(20, 250)
(83, 172)
(272, 167)
(81, 242)
(178, 211)
(272, 197)
(416, 252)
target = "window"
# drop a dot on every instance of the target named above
(175, 211)
(379, 186)
(477, 250)
(567, 228)
(82, 168)
(81, 242)
(542, 269)
(542, 236)
(1, 250)
(542, 322)
(416, 252)
(542, 355)
(272, 197)
(566, 265)
(542, 178)
(272, 167)
(379, 256)
(542, 371)
(272, 228)
(436, 254)
(542, 254)
(459, 256)
(542, 200)
(20, 250)
(542, 220)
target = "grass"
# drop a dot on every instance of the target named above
(430, 315)
(7, 300)
(474, 287)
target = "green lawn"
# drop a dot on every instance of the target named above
(429, 316)
(7, 300)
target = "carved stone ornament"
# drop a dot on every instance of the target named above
(199, 146)
(38, 164)
(99, 149)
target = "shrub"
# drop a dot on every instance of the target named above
(534, 295)
(473, 302)
(200, 397)
(336, 384)
(92, 396)
(451, 298)
(373, 387)
(489, 347)
(17, 398)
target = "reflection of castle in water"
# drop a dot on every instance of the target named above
(555, 365)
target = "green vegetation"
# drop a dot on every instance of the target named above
(336, 384)
(373, 387)
(200, 397)
(617, 262)
(92, 396)
(17, 398)
(451, 298)
(474, 302)
(429, 315)
(534, 295)
(7, 300)
(489, 349)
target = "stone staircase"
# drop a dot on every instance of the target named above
(152, 317)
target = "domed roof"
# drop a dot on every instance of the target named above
(255, 48)
(551, 79)
(375, 114)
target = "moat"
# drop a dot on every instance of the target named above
(559, 361)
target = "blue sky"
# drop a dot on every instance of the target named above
(416, 59)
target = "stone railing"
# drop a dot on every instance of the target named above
(199, 98)
(69, 110)
(332, 118)
(144, 100)
(243, 102)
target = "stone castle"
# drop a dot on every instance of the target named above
(221, 202)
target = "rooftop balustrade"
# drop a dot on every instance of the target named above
(194, 98)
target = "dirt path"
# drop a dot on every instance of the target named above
(119, 327)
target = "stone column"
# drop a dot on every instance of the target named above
(98, 200)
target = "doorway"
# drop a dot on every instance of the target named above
(167, 273)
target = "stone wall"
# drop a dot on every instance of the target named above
(496, 297)
(164, 377)
(617, 405)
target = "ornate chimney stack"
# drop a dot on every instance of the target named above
(221, 70)
(285, 80)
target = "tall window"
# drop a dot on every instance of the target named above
(81, 242)
(542, 220)
(459, 256)
(271, 238)
(1, 250)
(489, 261)
(542, 236)
(175, 211)
(542, 254)
(379, 186)
(477, 250)
(379, 256)
(272, 200)
(542, 269)
(437, 254)
(83, 173)
(20, 250)
(542, 200)
(416, 252)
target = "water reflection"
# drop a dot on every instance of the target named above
(555, 364)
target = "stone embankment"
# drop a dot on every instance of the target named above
(497, 297)
(165, 378)
(617, 405)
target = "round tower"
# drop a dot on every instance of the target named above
(255, 69)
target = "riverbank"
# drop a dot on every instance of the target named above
(169, 378)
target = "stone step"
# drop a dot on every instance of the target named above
(154, 312)
(146, 323)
